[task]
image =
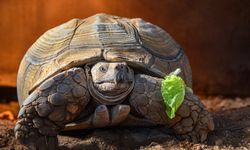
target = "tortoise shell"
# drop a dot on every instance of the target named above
(144, 46)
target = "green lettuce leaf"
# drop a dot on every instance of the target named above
(173, 92)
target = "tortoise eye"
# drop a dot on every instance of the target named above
(103, 69)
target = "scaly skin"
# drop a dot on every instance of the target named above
(62, 98)
(192, 121)
(56, 102)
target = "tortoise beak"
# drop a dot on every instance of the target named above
(121, 73)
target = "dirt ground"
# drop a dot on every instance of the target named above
(232, 131)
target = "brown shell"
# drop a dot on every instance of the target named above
(100, 37)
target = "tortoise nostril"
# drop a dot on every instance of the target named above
(120, 67)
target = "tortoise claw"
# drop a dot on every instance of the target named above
(119, 113)
(192, 121)
(101, 116)
(197, 124)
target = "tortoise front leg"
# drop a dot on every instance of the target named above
(191, 121)
(58, 101)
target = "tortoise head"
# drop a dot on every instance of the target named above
(111, 81)
(112, 78)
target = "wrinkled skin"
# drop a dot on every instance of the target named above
(65, 97)
(112, 78)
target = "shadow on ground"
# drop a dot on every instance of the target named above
(232, 131)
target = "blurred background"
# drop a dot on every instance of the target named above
(214, 34)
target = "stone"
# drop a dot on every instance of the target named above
(57, 99)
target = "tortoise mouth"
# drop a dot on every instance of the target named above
(112, 88)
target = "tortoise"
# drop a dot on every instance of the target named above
(99, 72)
